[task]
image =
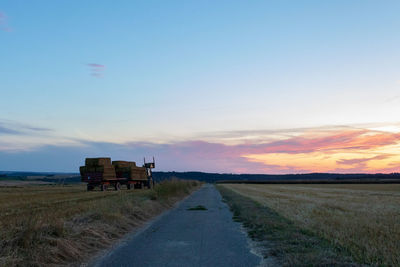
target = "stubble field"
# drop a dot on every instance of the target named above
(363, 219)
(59, 225)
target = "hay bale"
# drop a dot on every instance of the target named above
(138, 173)
(131, 172)
(86, 169)
(107, 172)
(98, 162)
(123, 169)
(105, 169)
(82, 169)
(91, 169)
(122, 164)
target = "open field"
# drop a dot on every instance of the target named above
(16, 183)
(363, 219)
(52, 225)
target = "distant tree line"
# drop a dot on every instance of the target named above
(209, 177)
(215, 177)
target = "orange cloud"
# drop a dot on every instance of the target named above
(343, 151)
(350, 139)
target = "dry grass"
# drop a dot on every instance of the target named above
(364, 219)
(61, 225)
(279, 238)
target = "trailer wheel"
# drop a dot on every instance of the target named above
(128, 186)
(117, 186)
(103, 187)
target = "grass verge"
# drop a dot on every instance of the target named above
(64, 225)
(290, 244)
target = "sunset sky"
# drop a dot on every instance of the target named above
(217, 86)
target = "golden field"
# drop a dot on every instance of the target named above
(363, 218)
(58, 225)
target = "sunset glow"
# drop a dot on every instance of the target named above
(351, 151)
(225, 86)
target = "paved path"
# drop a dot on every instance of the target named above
(188, 238)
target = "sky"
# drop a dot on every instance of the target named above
(216, 86)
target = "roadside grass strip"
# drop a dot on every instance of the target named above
(281, 238)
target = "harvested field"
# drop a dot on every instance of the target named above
(58, 225)
(363, 219)
(17, 183)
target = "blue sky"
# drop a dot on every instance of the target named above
(225, 73)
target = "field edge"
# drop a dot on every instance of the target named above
(280, 237)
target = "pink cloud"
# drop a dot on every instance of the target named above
(96, 70)
(217, 157)
(94, 65)
(4, 24)
(343, 140)
(361, 160)
(7, 29)
(340, 150)
(221, 157)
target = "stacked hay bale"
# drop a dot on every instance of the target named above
(101, 168)
(129, 170)
(123, 164)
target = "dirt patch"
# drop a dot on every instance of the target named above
(198, 207)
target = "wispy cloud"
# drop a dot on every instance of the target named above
(15, 128)
(4, 23)
(393, 99)
(96, 70)
(361, 161)
(342, 140)
(94, 65)
(7, 130)
(348, 150)
(323, 149)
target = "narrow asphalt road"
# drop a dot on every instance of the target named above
(185, 237)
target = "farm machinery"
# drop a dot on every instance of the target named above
(104, 173)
